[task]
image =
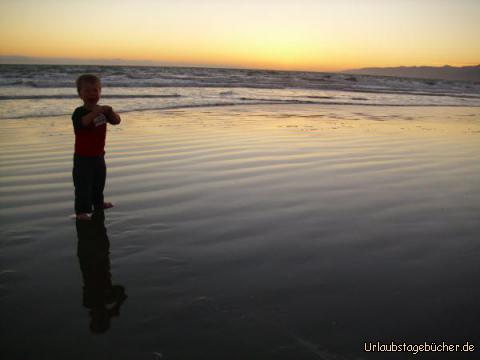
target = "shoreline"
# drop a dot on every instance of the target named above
(260, 104)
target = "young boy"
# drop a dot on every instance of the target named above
(90, 126)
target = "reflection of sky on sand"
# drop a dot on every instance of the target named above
(273, 231)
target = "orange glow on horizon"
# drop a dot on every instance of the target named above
(308, 35)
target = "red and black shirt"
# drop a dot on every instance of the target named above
(89, 139)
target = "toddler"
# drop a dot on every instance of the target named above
(90, 127)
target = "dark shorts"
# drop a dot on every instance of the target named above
(89, 174)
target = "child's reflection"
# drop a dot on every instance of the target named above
(99, 295)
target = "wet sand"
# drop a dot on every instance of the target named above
(255, 232)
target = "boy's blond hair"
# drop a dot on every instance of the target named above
(87, 78)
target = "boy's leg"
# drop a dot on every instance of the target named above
(82, 180)
(99, 177)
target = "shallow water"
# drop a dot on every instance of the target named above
(263, 232)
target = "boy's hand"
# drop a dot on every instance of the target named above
(98, 110)
(112, 117)
(107, 109)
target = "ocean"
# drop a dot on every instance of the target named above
(49, 90)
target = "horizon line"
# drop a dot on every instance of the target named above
(48, 60)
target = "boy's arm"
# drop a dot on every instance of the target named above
(81, 117)
(87, 119)
(112, 117)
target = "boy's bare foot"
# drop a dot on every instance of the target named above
(107, 205)
(83, 216)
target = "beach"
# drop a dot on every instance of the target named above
(276, 231)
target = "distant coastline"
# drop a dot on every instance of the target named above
(446, 72)
(463, 73)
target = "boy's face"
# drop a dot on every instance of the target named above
(90, 93)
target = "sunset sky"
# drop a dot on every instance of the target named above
(277, 34)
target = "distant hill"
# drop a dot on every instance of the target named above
(464, 73)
